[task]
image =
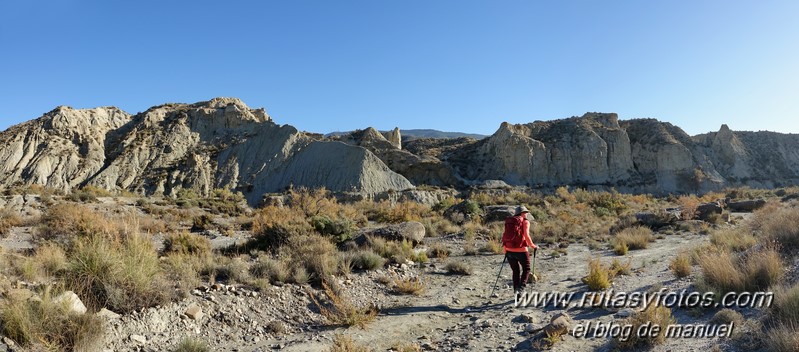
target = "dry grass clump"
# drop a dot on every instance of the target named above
(598, 278)
(458, 268)
(406, 347)
(62, 222)
(438, 250)
(187, 243)
(272, 227)
(493, 246)
(122, 274)
(47, 324)
(344, 343)
(785, 308)
(782, 338)
(654, 315)
(781, 226)
(637, 237)
(681, 265)
(388, 212)
(274, 270)
(396, 252)
(733, 239)
(338, 310)
(315, 253)
(8, 219)
(755, 271)
(192, 345)
(408, 286)
(618, 268)
(365, 260)
(726, 316)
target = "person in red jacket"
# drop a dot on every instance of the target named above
(515, 240)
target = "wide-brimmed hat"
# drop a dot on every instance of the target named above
(521, 209)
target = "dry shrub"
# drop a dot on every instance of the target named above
(8, 219)
(365, 260)
(192, 345)
(563, 194)
(121, 274)
(187, 243)
(396, 252)
(314, 253)
(408, 286)
(726, 316)
(618, 268)
(681, 265)
(458, 268)
(51, 259)
(182, 270)
(689, 207)
(637, 237)
(598, 278)
(783, 338)
(344, 343)
(338, 310)
(273, 226)
(225, 269)
(493, 246)
(786, 305)
(620, 247)
(438, 250)
(654, 315)
(733, 239)
(45, 322)
(268, 268)
(62, 222)
(406, 347)
(755, 271)
(388, 212)
(781, 226)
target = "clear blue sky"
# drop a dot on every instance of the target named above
(450, 65)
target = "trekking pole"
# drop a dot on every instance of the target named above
(500, 273)
(535, 278)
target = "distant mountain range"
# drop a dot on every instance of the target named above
(408, 135)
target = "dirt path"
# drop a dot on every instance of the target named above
(455, 312)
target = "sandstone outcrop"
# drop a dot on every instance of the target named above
(220, 143)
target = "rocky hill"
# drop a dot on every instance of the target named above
(222, 143)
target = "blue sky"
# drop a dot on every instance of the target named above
(450, 65)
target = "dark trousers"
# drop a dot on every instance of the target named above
(520, 265)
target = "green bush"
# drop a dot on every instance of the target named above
(187, 243)
(340, 230)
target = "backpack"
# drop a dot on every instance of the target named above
(513, 236)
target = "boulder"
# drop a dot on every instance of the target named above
(194, 312)
(412, 231)
(73, 302)
(657, 219)
(705, 210)
(790, 197)
(559, 325)
(746, 206)
(498, 212)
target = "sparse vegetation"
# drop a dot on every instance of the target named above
(438, 250)
(598, 278)
(408, 285)
(681, 265)
(458, 268)
(726, 272)
(340, 311)
(49, 324)
(344, 343)
(192, 345)
(654, 315)
(634, 238)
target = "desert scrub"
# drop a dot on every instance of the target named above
(396, 252)
(689, 206)
(726, 272)
(49, 324)
(782, 338)
(637, 237)
(187, 243)
(365, 260)
(781, 227)
(62, 222)
(733, 239)
(276, 271)
(598, 278)
(438, 250)
(458, 268)
(344, 343)
(786, 305)
(654, 315)
(681, 265)
(273, 226)
(191, 345)
(8, 219)
(408, 285)
(338, 310)
(120, 274)
(315, 253)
